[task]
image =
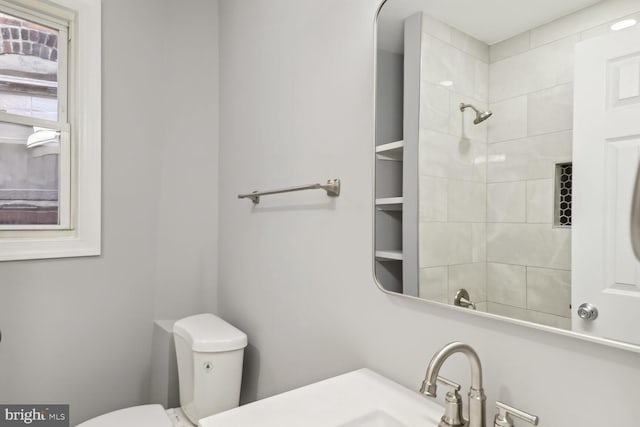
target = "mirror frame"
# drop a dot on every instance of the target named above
(454, 309)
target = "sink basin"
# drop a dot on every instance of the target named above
(375, 419)
(360, 398)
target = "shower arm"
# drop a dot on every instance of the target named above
(464, 106)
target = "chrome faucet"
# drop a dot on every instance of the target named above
(477, 398)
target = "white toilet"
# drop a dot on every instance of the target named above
(209, 353)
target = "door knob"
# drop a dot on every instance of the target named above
(587, 311)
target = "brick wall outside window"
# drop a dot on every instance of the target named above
(26, 38)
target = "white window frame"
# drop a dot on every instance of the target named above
(79, 232)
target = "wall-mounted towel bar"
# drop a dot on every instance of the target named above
(332, 187)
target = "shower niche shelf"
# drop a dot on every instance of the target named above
(393, 255)
(389, 204)
(390, 151)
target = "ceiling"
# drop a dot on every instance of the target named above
(488, 20)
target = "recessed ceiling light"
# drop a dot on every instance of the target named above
(621, 25)
(446, 83)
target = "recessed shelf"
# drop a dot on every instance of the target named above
(389, 204)
(395, 255)
(390, 151)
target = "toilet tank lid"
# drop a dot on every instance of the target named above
(209, 333)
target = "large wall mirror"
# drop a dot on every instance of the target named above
(507, 145)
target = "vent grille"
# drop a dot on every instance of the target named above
(564, 183)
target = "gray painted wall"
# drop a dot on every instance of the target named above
(295, 272)
(79, 331)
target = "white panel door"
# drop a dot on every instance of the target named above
(606, 152)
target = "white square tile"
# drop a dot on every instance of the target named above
(507, 284)
(444, 244)
(506, 202)
(472, 277)
(509, 47)
(433, 198)
(509, 120)
(536, 245)
(434, 107)
(479, 242)
(470, 45)
(529, 315)
(540, 201)
(448, 156)
(598, 31)
(433, 284)
(561, 28)
(507, 311)
(438, 60)
(466, 201)
(482, 82)
(482, 306)
(550, 110)
(537, 69)
(549, 291)
(465, 69)
(549, 319)
(443, 62)
(436, 28)
(528, 158)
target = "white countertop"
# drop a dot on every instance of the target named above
(353, 399)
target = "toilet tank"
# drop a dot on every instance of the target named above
(209, 353)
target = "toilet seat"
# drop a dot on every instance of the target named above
(140, 416)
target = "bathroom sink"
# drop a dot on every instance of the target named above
(360, 398)
(375, 419)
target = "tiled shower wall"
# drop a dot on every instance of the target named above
(489, 215)
(528, 258)
(452, 169)
(531, 96)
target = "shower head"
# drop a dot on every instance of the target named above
(481, 116)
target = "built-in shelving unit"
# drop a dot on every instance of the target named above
(389, 255)
(390, 151)
(397, 139)
(389, 204)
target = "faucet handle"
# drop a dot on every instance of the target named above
(502, 418)
(447, 382)
(453, 408)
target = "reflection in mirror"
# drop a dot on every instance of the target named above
(504, 134)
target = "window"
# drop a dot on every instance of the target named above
(49, 128)
(34, 129)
